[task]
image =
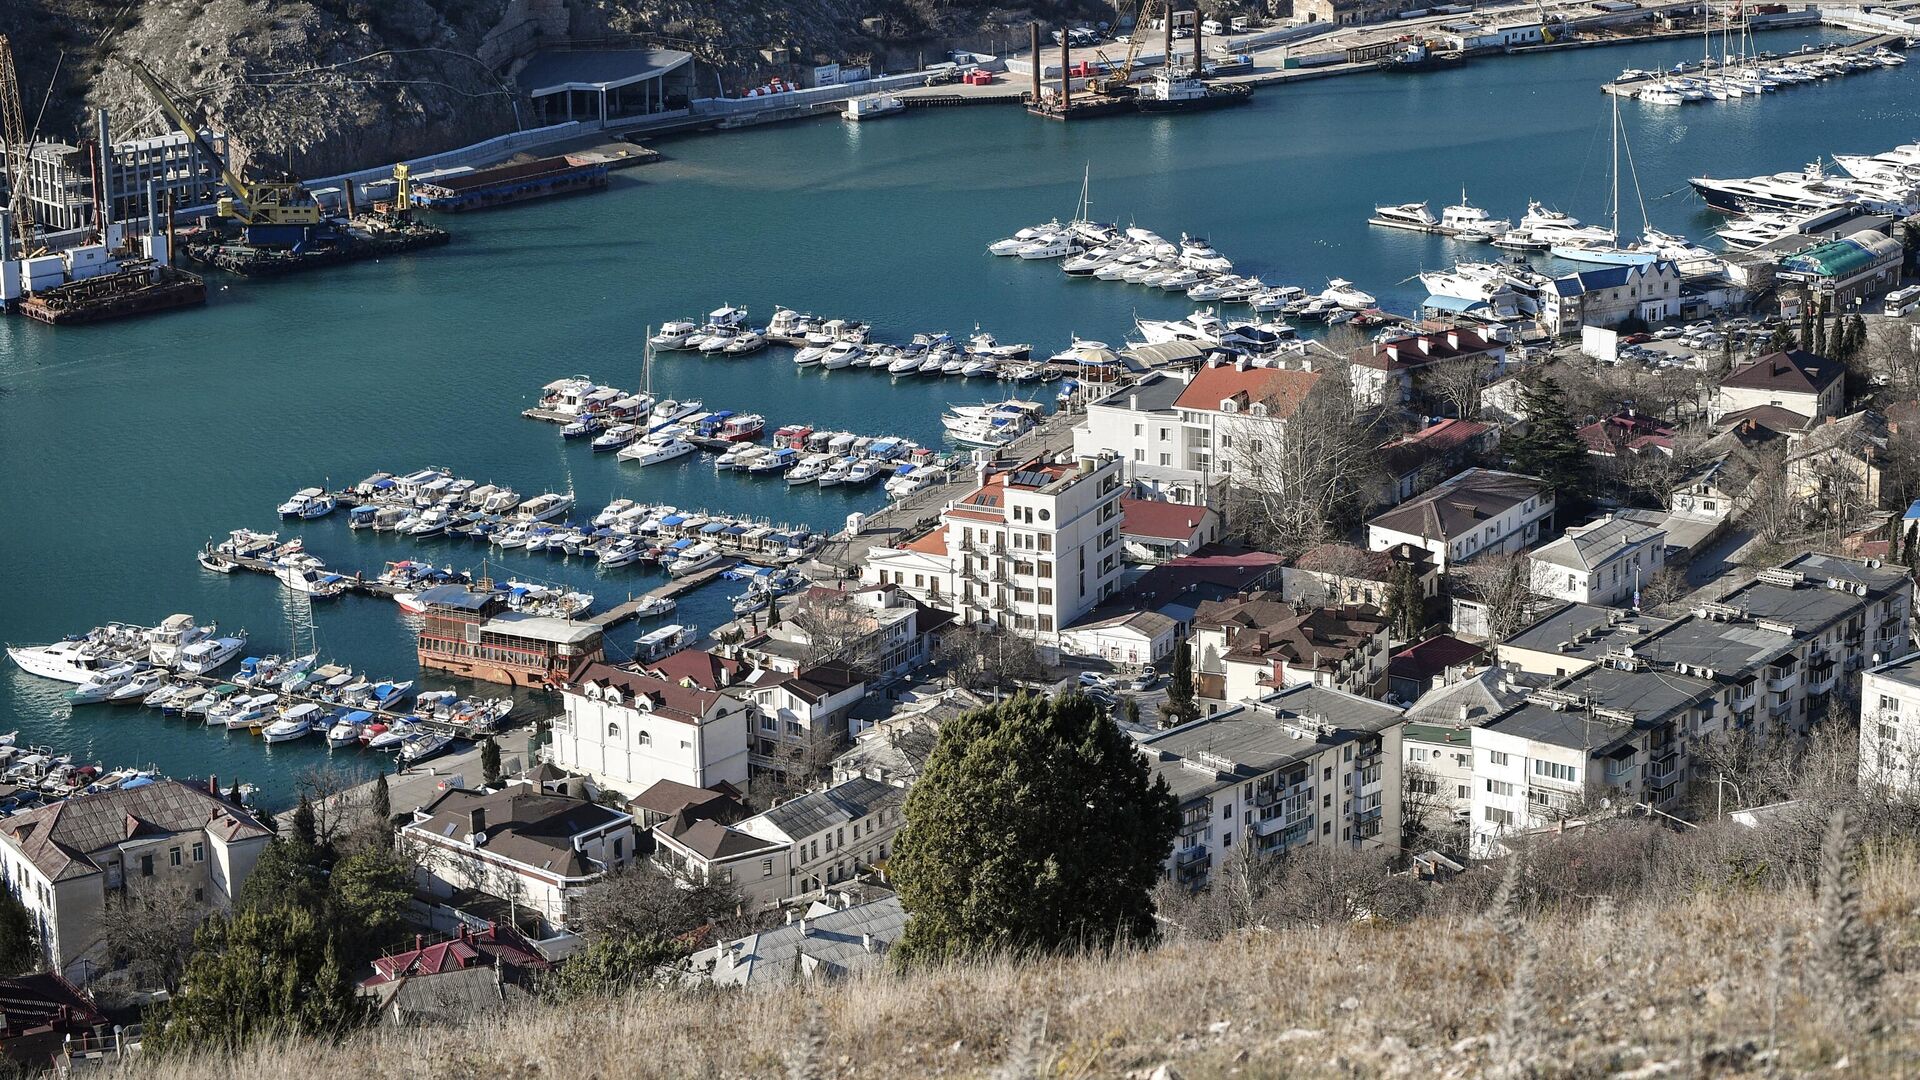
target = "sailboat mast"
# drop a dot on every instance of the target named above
(1616, 167)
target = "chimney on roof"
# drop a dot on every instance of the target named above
(1241, 364)
(1214, 360)
(803, 925)
(866, 941)
(477, 820)
(213, 785)
(419, 942)
(1466, 713)
(1133, 402)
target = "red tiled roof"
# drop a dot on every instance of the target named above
(933, 543)
(1419, 350)
(708, 671)
(1282, 391)
(670, 700)
(1423, 660)
(1609, 435)
(470, 949)
(1163, 520)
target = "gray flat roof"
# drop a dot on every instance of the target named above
(552, 70)
(1905, 670)
(1569, 621)
(1155, 393)
(1726, 647)
(1648, 695)
(1259, 737)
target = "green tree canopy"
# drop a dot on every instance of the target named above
(286, 875)
(1036, 826)
(19, 944)
(260, 973)
(367, 902)
(1549, 447)
(1181, 704)
(490, 763)
(609, 966)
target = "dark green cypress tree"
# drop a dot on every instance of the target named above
(19, 942)
(1035, 827)
(490, 762)
(1549, 448)
(1806, 325)
(304, 828)
(1182, 703)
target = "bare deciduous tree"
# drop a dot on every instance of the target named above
(1457, 384)
(1311, 482)
(149, 932)
(1503, 583)
(640, 901)
(989, 659)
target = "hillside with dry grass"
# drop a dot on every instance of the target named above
(1789, 980)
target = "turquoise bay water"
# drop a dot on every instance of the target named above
(123, 448)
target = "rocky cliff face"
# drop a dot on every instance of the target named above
(322, 86)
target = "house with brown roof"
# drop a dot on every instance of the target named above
(626, 730)
(668, 799)
(1156, 531)
(524, 848)
(1626, 434)
(165, 839)
(799, 714)
(1182, 434)
(1341, 573)
(1838, 464)
(1418, 459)
(804, 844)
(1250, 646)
(1399, 370)
(1468, 515)
(1794, 380)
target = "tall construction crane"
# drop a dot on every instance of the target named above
(13, 136)
(1115, 82)
(275, 212)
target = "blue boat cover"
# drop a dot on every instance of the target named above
(360, 717)
(716, 527)
(678, 544)
(673, 519)
(737, 530)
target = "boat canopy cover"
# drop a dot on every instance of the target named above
(679, 544)
(673, 519)
(137, 782)
(358, 717)
(716, 527)
(737, 530)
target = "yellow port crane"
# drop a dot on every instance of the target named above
(1116, 82)
(280, 206)
(13, 134)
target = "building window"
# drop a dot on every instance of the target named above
(613, 731)
(199, 895)
(1499, 816)
(1499, 787)
(146, 866)
(173, 857)
(1497, 757)
(619, 848)
(1554, 770)
(199, 852)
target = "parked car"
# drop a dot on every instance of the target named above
(1636, 339)
(1095, 679)
(1143, 681)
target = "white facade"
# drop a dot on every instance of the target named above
(626, 741)
(1604, 563)
(479, 860)
(1030, 549)
(1434, 522)
(1521, 784)
(1890, 727)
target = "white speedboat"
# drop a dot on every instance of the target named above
(307, 503)
(1412, 216)
(809, 469)
(317, 584)
(295, 723)
(543, 507)
(346, 730)
(137, 688)
(615, 437)
(841, 354)
(1469, 222)
(673, 335)
(101, 685)
(694, 559)
(1341, 291)
(650, 452)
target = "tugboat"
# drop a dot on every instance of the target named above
(1173, 91)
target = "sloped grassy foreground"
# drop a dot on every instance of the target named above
(1739, 983)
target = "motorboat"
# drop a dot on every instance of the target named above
(841, 354)
(389, 737)
(241, 713)
(185, 700)
(207, 702)
(694, 559)
(308, 503)
(741, 428)
(788, 323)
(1469, 222)
(717, 338)
(1342, 292)
(317, 584)
(860, 471)
(175, 633)
(615, 437)
(906, 364)
(650, 452)
(1053, 246)
(135, 690)
(653, 607)
(745, 343)
(662, 641)
(1197, 254)
(295, 723)
(544, 507)
(670, 410)
(620, 553)
(1412, 216)
(501, 501)
(422, 746)
(101, 684)
(809, 469)
(834, 473)
(673, 335)
(1012, 244)
(431, 522)
(774, 461)
(346, 730)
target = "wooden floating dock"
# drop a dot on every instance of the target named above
(672, 590)
(356, 582)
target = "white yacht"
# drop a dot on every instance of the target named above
(209, 654)
(1413, 216)
(1340, 291)
(649, 452)
(1055, 246)
(1469, 222)
(673, 335)
(100, 685)
(1012, 244)
(175, 633)
(1899, 161)
(841, 354)
(307, 503)
(694, 559)
(317, 584)
(543, 507)
(295, 723)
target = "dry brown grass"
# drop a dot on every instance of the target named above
(1711, 984)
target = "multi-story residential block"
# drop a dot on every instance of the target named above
(165, 841)
(1797, 381)
(1609, 296)
(526, 847)
(878, 629)
(1029, 548)
(1304, 766)
(1181, 435)
(800, 717)
(1438, 744)
(1890, 727)
(1247, 647)
(629, 730)
(1837, 465)
(805, 844)
(1468, 515)
(1635, 699)
(1604, 562)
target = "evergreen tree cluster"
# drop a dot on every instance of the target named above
(1036, 827)
(284, 962)
(1550, 447)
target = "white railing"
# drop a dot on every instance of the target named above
(479, 152)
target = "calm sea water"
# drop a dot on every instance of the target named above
(123, 448)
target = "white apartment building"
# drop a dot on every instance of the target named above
(527, 847)
(1304, 766)
(65, 860)
(1605, 562)
(1467, 515)
(628, 731)
(1179, 432)
(1890, 726)
(1029, 548)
